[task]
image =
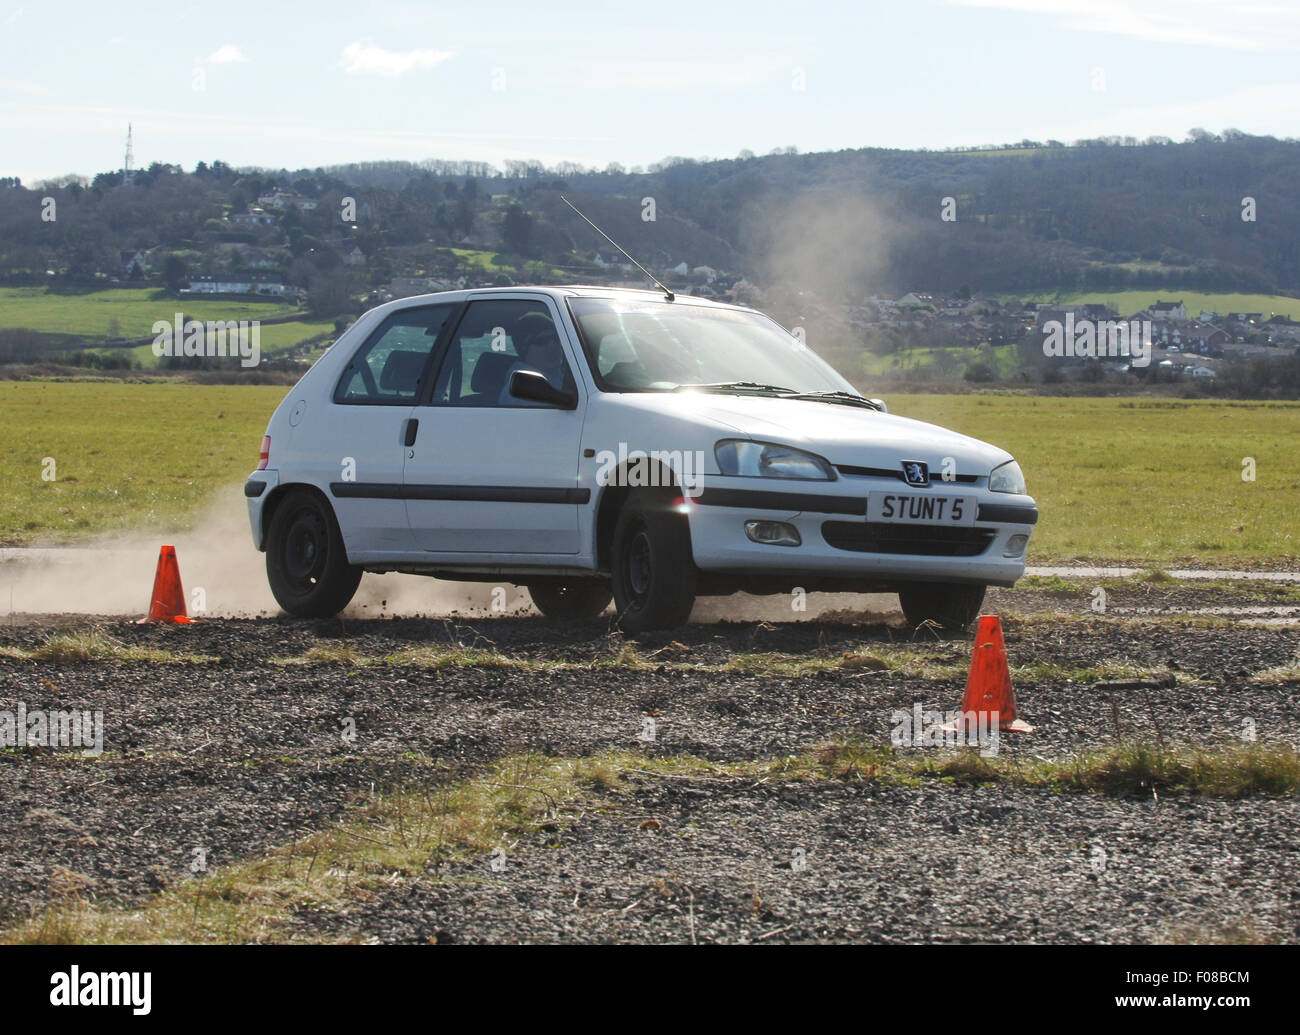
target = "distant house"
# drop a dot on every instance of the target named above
(1169, 310)
(1095, 311)
(707, 272)
(1202, 372)
(135, 262)
(254, 217)
(354, 257)
(681, 269)
(915, 300)
(241, 284)
(405, 287)
(1205, 338)
(282, 199)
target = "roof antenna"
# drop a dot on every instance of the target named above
(657, 283)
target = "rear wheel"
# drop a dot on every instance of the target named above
(654, 573)
(951, 606)
(576, 599)
(306, 562)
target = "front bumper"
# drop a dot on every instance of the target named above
(837, 541)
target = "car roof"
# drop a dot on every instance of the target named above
(559, 293)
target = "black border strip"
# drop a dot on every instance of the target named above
(757, 500)
(1010, 513)
(465, 493)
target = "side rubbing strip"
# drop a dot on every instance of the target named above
(465, 493)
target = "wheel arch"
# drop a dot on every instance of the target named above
(276, 497)
(615, 494)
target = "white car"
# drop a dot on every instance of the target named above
(591, 443)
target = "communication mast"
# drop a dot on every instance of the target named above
(127, 172)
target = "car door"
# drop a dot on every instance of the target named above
(489, 473)
(360, 447)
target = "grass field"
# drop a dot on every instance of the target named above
(1129, 302)
(126, 455)
(1154, 482)
(1143, 480)
(91, 314)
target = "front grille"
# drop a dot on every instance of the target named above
(936, 478)
(923, 540)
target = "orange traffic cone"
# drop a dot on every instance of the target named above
(168, 603)
(988, 685)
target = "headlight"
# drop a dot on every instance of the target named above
(1007, 478)
(769, 460)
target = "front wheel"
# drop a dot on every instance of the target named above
(577, 599)
(951, 606)
(654, 572)
(306, 562)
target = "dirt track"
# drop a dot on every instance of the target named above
(236, 755)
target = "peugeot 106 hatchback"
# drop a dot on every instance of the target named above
(591, 443)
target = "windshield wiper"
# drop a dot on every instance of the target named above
(839, 397)
(745, 386)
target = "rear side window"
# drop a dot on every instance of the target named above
(388, 368)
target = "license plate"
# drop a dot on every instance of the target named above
(921, 508)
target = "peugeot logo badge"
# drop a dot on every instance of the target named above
(916, 472)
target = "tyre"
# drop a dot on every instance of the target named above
(306, 563)
(951, 606)
(576, 599)
(654, 573)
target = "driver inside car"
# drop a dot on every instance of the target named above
(541, 352)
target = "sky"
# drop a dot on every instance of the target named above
(299, 86)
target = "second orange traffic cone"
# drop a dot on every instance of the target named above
(988, 685)
(168, 603)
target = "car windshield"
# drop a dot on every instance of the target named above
(636, 345)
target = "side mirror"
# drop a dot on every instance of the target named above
(530, 385)
(880, 404)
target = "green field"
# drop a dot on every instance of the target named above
(126, 456)
(1150, 482)
(1128, 302)
(91, 314)
(1143, 480)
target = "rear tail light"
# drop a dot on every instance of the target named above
(264, 454)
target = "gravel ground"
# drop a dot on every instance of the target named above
(236, 756)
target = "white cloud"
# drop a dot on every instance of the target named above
(364, 57)
(1251, 25)
(229, 54)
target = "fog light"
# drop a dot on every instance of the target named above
(1015, 546)
(773, 533)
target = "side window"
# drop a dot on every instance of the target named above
(387, 368)
(495, 339)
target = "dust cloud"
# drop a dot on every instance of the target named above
(113, 575)
(834, 243)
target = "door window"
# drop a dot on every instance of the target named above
(496, 338)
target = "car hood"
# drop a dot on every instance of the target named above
(844, 434)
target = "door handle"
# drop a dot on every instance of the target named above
(409, 430)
